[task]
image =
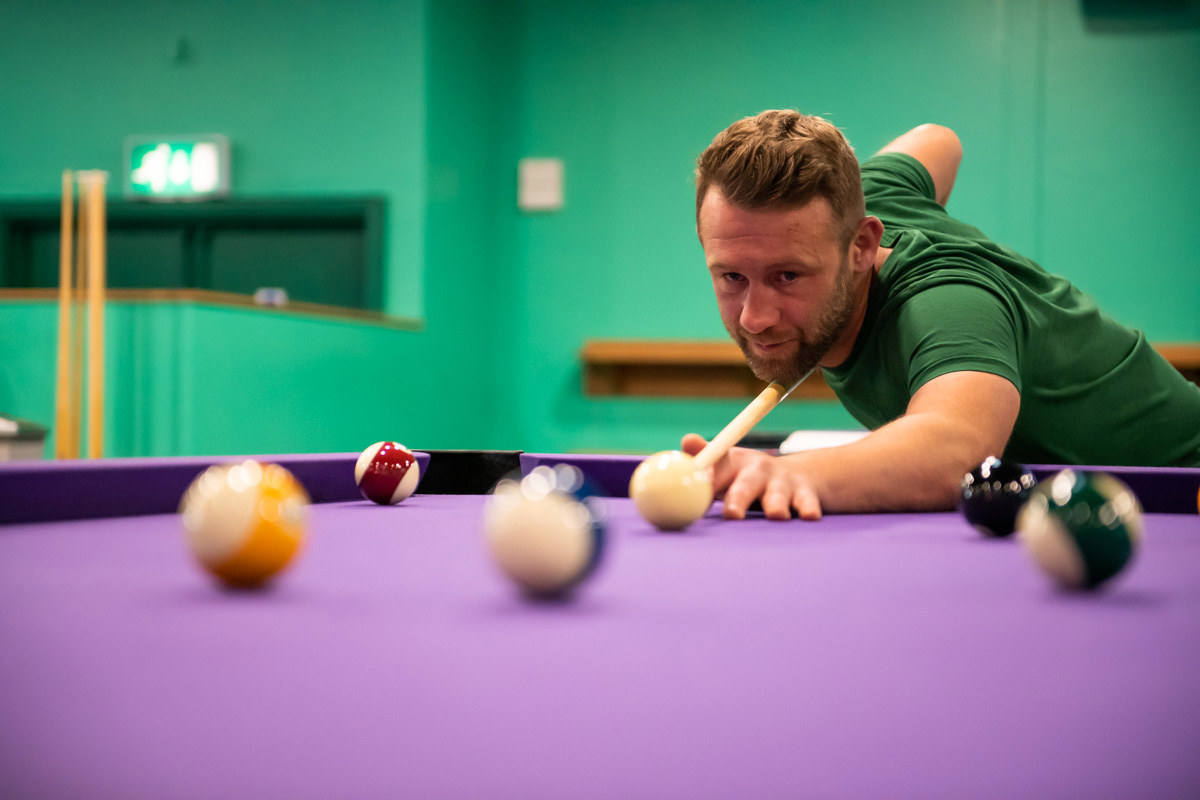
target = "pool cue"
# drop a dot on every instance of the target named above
(94, 183)
(77, 328)
(751, 415)
(63, 405)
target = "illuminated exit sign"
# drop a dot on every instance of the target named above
(176, 168)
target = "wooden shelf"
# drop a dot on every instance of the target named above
(641, 368)
(1184, 357)
(678, 369)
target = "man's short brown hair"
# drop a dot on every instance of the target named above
(784, 159)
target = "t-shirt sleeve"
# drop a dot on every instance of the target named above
(896, 174)
(900, 192)
(956, 327)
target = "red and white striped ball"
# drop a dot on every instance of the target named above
(245, 522)
(386, 472)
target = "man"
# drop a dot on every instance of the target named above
(950, 347)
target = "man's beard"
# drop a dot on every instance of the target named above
(831, 324)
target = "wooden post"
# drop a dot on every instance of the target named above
(64, 398)
(81, 280)
(94, 184)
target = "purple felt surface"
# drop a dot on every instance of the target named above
(43, 491)
(888, 656)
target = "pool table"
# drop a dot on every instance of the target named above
(861, 656)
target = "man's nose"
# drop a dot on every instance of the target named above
(759, 311)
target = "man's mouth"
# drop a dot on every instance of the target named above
(766, 348)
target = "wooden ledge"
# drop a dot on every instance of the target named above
(641, 368)
(213, 298)
(1184, 357)
(678, 369)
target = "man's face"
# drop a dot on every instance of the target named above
(784, 286)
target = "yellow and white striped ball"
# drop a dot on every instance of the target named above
(245, 522)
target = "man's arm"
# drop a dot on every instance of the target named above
(939, 151)
(914, 463)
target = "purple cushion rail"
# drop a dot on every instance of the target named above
(610, 474)
(1162, 490)
(46, 491)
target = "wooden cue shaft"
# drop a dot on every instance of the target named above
(733, 432)
(96, 282)
(66, 280)
(741, 425)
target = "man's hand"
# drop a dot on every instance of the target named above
(744, 476)
(914, 463)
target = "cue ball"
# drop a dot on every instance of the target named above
(669, 491)
(546, 532)
(1081, 528)
(386, 473)
(992, 494)
(245, 522)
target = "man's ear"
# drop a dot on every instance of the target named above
(865, 244)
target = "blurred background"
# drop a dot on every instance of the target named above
(1079, 122)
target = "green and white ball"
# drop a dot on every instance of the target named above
(1081, 528)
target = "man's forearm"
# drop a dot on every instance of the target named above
(939, 151)
(912, 464)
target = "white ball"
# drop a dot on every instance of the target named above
(670, 492)
(544, 539)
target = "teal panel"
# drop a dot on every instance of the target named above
(184, 379)
(315, 266)
(471, 77)
(1121, 165)
(28, 362)
(254, 382)
(149, 258)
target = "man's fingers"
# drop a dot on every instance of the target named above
(747, 487)
(777, 499)
(806, 502)
(744, 476)
(692, 444)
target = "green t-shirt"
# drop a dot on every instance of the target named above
(949, 299)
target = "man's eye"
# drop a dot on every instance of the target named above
(731, 277)
(788, 277)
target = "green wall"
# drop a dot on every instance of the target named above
(1079, 137)
(1120, 171)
